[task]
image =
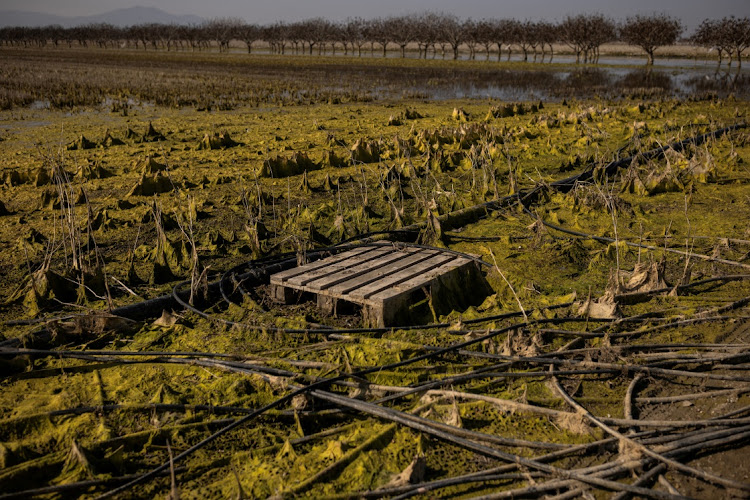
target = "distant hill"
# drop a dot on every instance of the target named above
(118, 17)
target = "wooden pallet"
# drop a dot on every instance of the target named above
(381, 277)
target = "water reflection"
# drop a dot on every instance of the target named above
(722, 82)
(581, 83)
(646, 79)
(614, 77)
(590, 81)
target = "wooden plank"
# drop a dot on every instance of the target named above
(414, 271)
(349, 289)
(283, 294)
(419, 281)
(394, 304)
(327, 304)
(343, 274)
(328, 268)
(296, 271)
(310, 279)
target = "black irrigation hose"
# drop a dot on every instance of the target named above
(310, 387)
(410, 490)
(561, 185)
(305, 389)
(606, 239)
(178, 295)
(146, 308)
(588, 173)
(415, 423)
(254, 270)
(684, 439)
(677, 449)
(143, 309)
(68, 488)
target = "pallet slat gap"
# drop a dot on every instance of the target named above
(376, 275)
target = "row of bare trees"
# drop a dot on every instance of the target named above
(431, 33)
(730, 36)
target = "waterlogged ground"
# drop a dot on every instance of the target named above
(65, 78)
(107, 207)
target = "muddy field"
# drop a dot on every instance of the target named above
(609, 217)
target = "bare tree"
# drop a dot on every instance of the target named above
(277, 36)
(168, 35)
(472, 37)
(377, 31)
(425, 32)
(650, 32)
(586, 33)
(547, 34)
(354, 31)
(55, 33)
(249, 33)
(730, 35)
(333, 33)
(505, 32)
(451, 31)
(313, 32)
(223, 31)
(486, 35)
(527, 39)
(736, 35)
(710, 35)
(400, 30)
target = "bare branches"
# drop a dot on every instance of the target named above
(650, 32)
(584, 33)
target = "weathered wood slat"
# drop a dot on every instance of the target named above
(349, 272)
(323, 272)
(296, 271)
(413, 271)
(352, 287)
(415, 283)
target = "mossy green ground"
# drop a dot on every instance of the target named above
(295, 178)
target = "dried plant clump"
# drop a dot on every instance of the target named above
(216, 141)
(281, 166)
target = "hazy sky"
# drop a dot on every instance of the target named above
(262, 11)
